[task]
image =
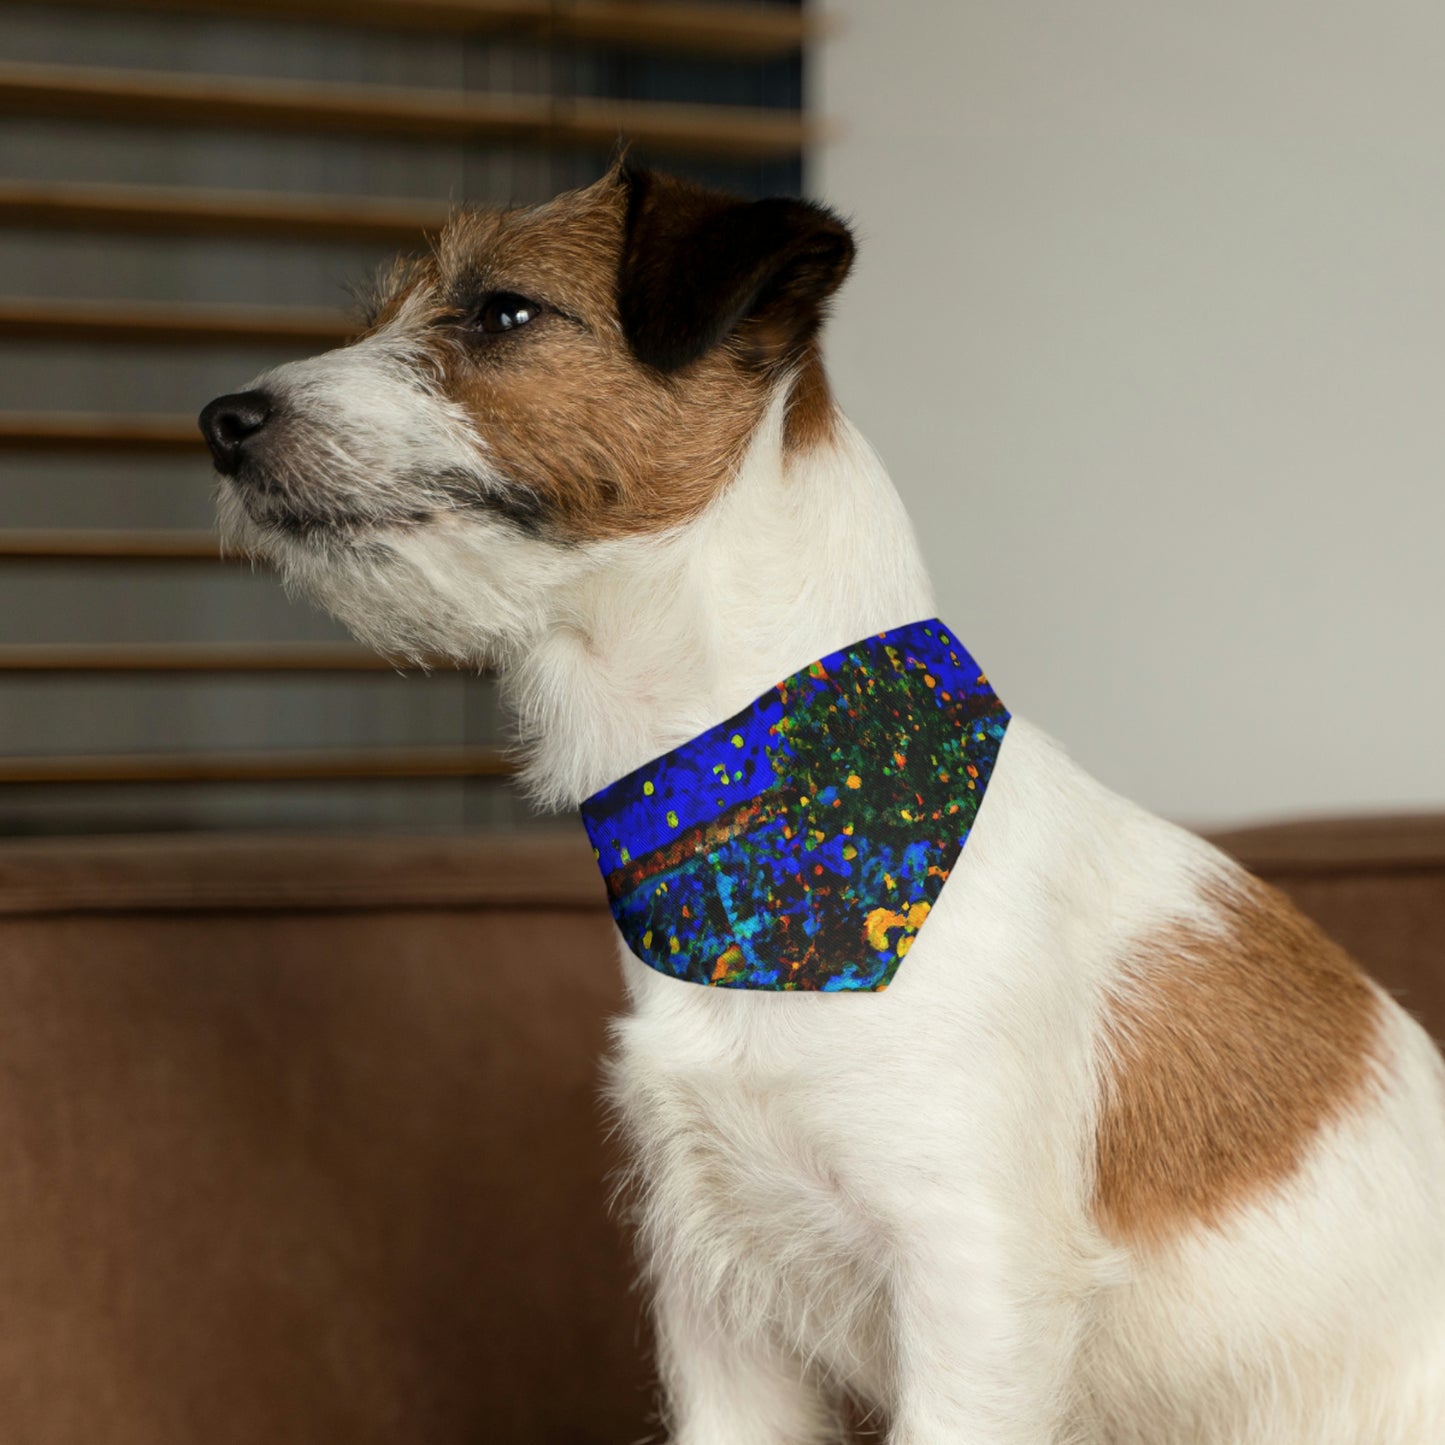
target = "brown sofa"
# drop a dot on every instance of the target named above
(299, 1139)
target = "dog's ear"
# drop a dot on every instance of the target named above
(699, 267)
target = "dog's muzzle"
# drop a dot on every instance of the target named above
(231, 424)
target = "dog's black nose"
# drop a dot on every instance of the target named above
(229, 422)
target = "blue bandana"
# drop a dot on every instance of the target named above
(801, 843)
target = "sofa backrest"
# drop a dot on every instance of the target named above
(300, 1142)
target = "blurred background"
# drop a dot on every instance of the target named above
(1148, 325)
(303, 1005)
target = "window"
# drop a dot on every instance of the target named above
(188, 192)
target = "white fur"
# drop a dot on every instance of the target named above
(890, 1194)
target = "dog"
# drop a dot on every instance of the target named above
(1127, 1153)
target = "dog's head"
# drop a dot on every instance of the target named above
(547, 383)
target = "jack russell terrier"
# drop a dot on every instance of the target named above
(1113, 1147)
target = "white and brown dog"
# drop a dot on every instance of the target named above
(1129, 1152)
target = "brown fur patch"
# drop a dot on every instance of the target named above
(1228, 1052)
(600, 445)
(596, 442)
(812, 413)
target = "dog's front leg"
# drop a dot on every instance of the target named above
(723, 1388)
(986, 1344)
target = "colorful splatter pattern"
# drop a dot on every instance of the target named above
(802, 843)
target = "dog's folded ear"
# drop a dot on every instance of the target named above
(699, 267)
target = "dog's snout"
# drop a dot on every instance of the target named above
(229, 422)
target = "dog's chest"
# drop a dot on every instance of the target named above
(749, 1171)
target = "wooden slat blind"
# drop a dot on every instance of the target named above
(563, 119)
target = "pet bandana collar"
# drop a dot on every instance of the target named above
(801, 843)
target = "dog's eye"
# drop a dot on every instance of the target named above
(505, 311)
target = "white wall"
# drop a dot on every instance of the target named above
(1149, 324)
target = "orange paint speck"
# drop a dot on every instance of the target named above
(728, 961)
(877, 924)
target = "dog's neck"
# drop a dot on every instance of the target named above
(803, 553)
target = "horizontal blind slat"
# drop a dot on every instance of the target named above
(320, 765)
(197, 212)
(314, 107)
(171, 323)
(98, 431)
(721, 29)
(74, 545)
(205, 657)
